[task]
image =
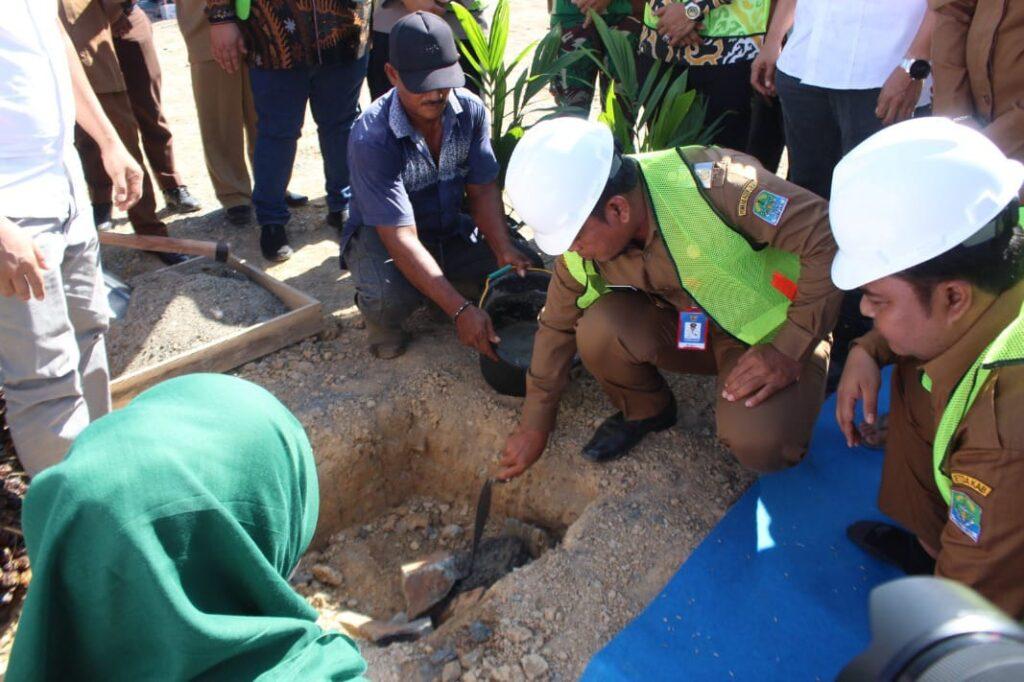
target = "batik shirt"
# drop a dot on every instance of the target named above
(710, 52)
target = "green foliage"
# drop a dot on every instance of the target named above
(509, 100)
(659, 113)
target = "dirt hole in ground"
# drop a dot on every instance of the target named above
(408, 571)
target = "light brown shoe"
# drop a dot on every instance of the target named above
(386, 343)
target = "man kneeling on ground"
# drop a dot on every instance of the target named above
(414, 155)
(692, 260)
(927, 221)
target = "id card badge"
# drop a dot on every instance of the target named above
(693, 330)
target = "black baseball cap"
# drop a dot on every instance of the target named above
(422, 49)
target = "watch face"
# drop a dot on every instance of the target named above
(693, 12)
(920, 69)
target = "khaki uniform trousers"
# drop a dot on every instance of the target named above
(625, 337)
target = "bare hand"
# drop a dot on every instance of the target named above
(476, 331)
(676, 27)
(585, 7)
(21, 264)
(228, 46)
(898, 98)
(762, 71)
(510, 255)
(861, 380)
(432, 6)
(522, 449)
(760, 373)
(125, 174)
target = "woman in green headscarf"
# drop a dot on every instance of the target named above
(161, 546)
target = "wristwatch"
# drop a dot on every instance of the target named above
(693, 11)
(918, 69)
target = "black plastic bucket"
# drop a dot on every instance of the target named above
(513, 303)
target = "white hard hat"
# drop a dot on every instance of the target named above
(556, 175)
(912, 192)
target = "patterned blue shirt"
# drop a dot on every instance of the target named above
(394, 179)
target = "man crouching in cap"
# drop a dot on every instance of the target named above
(414, 155)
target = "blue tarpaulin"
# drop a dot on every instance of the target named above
(776, 591)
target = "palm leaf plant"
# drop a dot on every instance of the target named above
(659, 113)
(508, 96)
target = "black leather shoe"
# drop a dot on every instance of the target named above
(892, 545)
(180, 200)
(274, 243)
(239, 216)
(170, 258)
(337, 219)
(294, 199)
(101, 214)
(617, 436)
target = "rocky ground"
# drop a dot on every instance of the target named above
(425, 429)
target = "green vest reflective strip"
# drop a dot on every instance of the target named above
(1007, 349)
(242, 9)
(738, 19)
(746, 291)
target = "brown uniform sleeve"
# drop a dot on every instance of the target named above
(949, 57)
(1007, 132)
(877, 347)
(553, 350)
(982, 544)
(803, 229)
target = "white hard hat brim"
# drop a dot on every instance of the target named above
(556, 243)
(850, 272)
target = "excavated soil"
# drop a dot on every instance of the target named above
(425, 428)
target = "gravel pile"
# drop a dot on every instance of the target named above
(175, 311)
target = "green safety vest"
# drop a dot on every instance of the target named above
(1006, 349)
(747, 291)
(738, 19)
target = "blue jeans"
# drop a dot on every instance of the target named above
(280, 96)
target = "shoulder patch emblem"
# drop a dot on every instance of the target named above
(965, 514)
(769, 206)
(972, 483)
(748, 189)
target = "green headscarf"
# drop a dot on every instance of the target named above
(160, 547)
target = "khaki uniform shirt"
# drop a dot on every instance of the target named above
(978, 61)
(736, 180)
(986, 463)
(88, 24)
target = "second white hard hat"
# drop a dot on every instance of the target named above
(556, 174)
(910, 193)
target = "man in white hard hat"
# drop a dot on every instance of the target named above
(926, 217)
(694, 260)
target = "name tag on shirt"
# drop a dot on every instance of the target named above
(693, 330)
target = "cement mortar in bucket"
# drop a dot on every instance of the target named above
(513, 303)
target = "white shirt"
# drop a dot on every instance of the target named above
(39, 168)
(850, 44)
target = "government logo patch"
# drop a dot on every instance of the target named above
(769, 206)
(965, 514)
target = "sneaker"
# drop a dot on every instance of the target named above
(294, 199)
(101, 215)
(616, 435)
(239, 216)
(274, 243)
(892, 545)
(337, 219)
(179, 200)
